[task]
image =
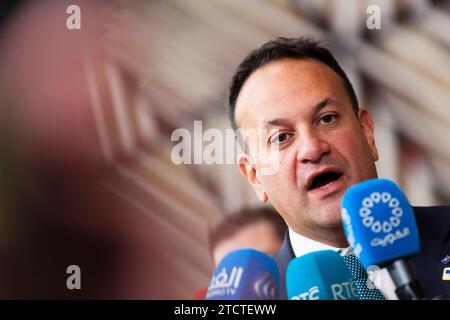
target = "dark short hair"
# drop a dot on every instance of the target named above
(245, 217)
(278, 49)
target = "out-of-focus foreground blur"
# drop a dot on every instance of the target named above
(86, 118)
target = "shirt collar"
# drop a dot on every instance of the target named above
(302, 245)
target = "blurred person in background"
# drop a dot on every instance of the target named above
(259, 228)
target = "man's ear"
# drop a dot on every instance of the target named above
(368, 127)
(250, 171)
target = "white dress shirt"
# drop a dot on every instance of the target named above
(381, 278)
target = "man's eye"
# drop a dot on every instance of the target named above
(279, 138)
(327, 119)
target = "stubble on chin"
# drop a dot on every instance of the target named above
(328, 216)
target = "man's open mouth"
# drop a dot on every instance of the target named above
(323, 180)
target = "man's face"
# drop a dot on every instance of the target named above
(324, 147)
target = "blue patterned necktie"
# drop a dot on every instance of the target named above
(361, 280)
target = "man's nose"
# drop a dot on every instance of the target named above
(311, 147)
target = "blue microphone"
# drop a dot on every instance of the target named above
(380, 226)
(320, 275)
(244, 274)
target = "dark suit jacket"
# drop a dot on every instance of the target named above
(434, 232)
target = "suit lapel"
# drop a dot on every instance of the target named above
(282, 258)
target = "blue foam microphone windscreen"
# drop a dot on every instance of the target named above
(244, 274)
(320, 275)
(379, 222)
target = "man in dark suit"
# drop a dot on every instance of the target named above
(295, 112)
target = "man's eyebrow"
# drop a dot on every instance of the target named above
(278, 122)
(322, 104)
(281, 122)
